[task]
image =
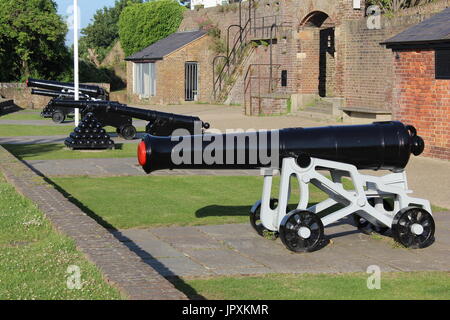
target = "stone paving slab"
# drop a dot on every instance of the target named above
(235, 249)
(117, 167)
(120, 265)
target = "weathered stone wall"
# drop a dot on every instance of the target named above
(23, 98)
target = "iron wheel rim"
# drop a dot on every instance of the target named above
(255, 217)
(289, 231)
(402, 228)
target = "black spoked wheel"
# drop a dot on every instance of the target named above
(255, 218)
(128, 132)
(413, 227)
(58, 117)
(301, 231)
(368, 228)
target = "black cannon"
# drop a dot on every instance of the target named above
(63, 91)
(120, 116)
(92, 91)
(322, 157)
(58, 115)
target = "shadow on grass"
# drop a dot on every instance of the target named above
(220, 211)
(22, 151)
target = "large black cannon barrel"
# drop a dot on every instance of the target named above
(159, 119)
(55, 94)
(91, 90)
(381, 145)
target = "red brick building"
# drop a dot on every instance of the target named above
(421, 86)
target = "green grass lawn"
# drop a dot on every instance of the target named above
(395, 285)
(126, 202)
(34, 257)
(13, 130)
(56, 151)
(23, 115)
(142, 201)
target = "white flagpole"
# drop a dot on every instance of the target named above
(75, 60)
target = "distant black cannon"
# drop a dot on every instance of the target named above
(92, 91)
(63, 91)
(376, 203)
(120, 116)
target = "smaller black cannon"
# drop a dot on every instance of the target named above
(63, 91)
(118, 115)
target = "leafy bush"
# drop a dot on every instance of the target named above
(141, 25)
(396, 5)
(32, 37)
(102, 33)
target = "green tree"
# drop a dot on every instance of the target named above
(141, 25)
(103, 31)
(396, 5)
(32, 40)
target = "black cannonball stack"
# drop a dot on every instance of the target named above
(89, 135)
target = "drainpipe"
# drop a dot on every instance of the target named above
(271, 58)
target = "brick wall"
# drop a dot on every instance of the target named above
(23, 98)
(368, 66)
(170, 86)
(423, 101)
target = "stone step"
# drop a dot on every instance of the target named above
(319, 116)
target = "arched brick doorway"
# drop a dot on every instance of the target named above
(317, 52)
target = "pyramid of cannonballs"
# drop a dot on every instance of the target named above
(89, 135)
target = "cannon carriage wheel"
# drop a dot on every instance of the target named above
(128, 132)
(58, 117)
(302, 231)
(255, 218)
(413, 227)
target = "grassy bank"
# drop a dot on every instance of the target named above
(395, 285)
(35, 258)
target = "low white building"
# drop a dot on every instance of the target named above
(210, 3)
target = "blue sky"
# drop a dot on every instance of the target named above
(87, 11)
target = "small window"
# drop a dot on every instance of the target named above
(144, 82)
(284, 78)
(442, 64)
